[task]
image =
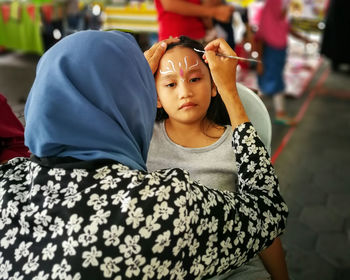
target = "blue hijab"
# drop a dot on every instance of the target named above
(93, 97)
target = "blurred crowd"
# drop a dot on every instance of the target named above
(256, 29)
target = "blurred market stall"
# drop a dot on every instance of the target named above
(35, 25)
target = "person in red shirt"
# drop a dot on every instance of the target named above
(184, 17)
(11, 134)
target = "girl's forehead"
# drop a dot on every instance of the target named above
(178, 53)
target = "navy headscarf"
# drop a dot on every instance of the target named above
(93, 97)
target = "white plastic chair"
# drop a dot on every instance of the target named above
(257, 114)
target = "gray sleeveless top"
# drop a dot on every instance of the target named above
(213, 165)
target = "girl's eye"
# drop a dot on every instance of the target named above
(193, 80)
(170, 85)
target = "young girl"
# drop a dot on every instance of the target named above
(192, 131)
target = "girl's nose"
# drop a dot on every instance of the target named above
(184, 90)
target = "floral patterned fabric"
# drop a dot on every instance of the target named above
(101, 220)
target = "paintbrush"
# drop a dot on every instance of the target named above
(231, 56)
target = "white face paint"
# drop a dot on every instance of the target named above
(192, 66)
(181, 71)
(168, 70)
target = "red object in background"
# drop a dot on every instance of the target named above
(5, 12)
(241, 52)
(31, 11)
(11, 134)
(47, 11)
(175, 25)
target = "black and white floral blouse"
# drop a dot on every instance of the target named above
(69, 219)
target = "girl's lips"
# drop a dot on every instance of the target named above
(187, 105)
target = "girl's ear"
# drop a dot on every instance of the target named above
(159, 105)
(213, 90)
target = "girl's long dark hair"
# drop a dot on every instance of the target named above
(217, 112)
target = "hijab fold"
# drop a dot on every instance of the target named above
(93, 98)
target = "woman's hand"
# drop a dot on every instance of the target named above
(155, 53)
(223, 69)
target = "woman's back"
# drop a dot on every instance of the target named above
(74, 219)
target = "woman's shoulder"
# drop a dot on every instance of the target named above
(14, 165)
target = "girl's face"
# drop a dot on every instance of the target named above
(183, 85)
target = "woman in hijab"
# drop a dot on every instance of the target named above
(84, 207)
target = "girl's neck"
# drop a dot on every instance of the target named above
(193, 135)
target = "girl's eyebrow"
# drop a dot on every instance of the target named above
(174, 75)
(167, 75)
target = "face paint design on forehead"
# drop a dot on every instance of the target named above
(168, 70)
(193, 65)
(181, 71)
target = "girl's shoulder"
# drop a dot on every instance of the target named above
(220, 131)
(158, 125)
(159, 131)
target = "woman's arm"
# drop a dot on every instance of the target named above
(223, 71)
(221, 13)
(274, 260)
(234, 227)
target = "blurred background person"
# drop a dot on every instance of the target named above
(218, 29)
(185, 17)
(336, 42)
(272, 40)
